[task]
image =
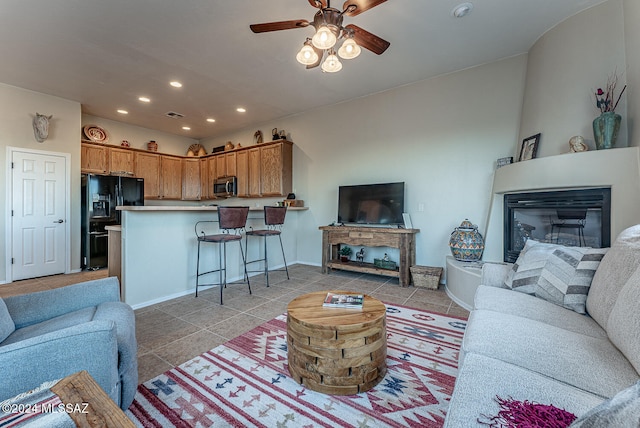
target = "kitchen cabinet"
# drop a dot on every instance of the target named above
(242, 172)
(263, 170)
(93, 159)
(191, 185)
(230, 162)
(147, 166)
(254, 172)
(276, 169)
(121, 162)
(170, 177)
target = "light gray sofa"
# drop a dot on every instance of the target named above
(51, 334)
(526, 348)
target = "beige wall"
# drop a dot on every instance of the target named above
(566, 65)
(440, 136)
(632, 45)
(17, 107)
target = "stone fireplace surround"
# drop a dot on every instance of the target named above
(618, 169)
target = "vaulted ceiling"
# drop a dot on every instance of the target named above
(106, 54)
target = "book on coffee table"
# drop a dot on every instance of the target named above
(344, 300)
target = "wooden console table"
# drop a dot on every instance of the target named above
(403, 239)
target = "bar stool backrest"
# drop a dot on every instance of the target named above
(232, 217)
(274, 216)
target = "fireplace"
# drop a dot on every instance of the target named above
(579, 218)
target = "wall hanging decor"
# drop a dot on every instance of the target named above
(41, 126)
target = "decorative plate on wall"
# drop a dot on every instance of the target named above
(196, 150)
(95, 133)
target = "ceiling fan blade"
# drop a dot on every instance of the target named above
(319, 4)
(361, 6)
(368, 41)
(320, 53)
(279, 25)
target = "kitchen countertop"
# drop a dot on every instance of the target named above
(190, 208)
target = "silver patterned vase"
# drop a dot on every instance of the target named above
(466, 243)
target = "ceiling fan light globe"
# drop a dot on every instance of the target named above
(324, 38)
(349, 49)
(307, 55)
(332, 64)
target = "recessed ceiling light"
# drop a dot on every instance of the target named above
(461, 10)
(176, 84)
(186, 128)
(241, 110)
(144, 99)
(210, 120)
(121, 111)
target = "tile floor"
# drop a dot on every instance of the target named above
(172, 332)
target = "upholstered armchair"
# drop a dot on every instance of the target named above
(51, 334)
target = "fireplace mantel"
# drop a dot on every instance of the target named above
(618, 169)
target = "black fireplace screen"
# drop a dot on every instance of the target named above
(580, 218)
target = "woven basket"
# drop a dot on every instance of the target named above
(425, 276)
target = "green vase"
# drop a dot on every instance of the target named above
(605, 129)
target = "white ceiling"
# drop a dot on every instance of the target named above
(106, 53)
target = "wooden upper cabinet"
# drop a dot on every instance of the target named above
(121, 161)
(147, 166)
(254, 172)
(93, 159)
(171, 177)
(242, 172)
(221, 166)
(230, 160)
(191, 187)
(276, 169)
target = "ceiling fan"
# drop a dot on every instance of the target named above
(328, 25)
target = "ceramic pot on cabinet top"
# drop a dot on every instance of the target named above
(466, 243)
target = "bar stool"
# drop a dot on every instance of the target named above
(273, 219)
(232, 221)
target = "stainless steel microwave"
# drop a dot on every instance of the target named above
(225, 187)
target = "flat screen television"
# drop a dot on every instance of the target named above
(371, 204)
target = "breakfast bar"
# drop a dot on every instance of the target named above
(159, 249)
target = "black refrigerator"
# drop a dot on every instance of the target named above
(101, 194)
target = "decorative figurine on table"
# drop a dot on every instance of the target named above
(360, 255)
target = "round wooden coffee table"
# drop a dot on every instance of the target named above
(336, 351)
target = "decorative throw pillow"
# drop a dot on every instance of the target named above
(556, 273)
(620, 411)
(519, 414)
(6, 322)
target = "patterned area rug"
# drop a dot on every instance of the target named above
(245, 382)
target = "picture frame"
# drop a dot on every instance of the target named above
(504, 161)
(529, 148)
(407, 221)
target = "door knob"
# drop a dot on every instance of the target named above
(59, 221)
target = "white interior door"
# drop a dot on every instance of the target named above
(38, 214)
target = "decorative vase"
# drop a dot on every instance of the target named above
(605, 129)
(466, 243)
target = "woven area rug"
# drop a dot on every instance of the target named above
(245, 382)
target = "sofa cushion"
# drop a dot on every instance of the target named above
(620, 411)
(623, 326)
(63, 321)
(556, 273)
(481, 378)
(616, 267)
(589, 363)
(6, 322)
(520, 304)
